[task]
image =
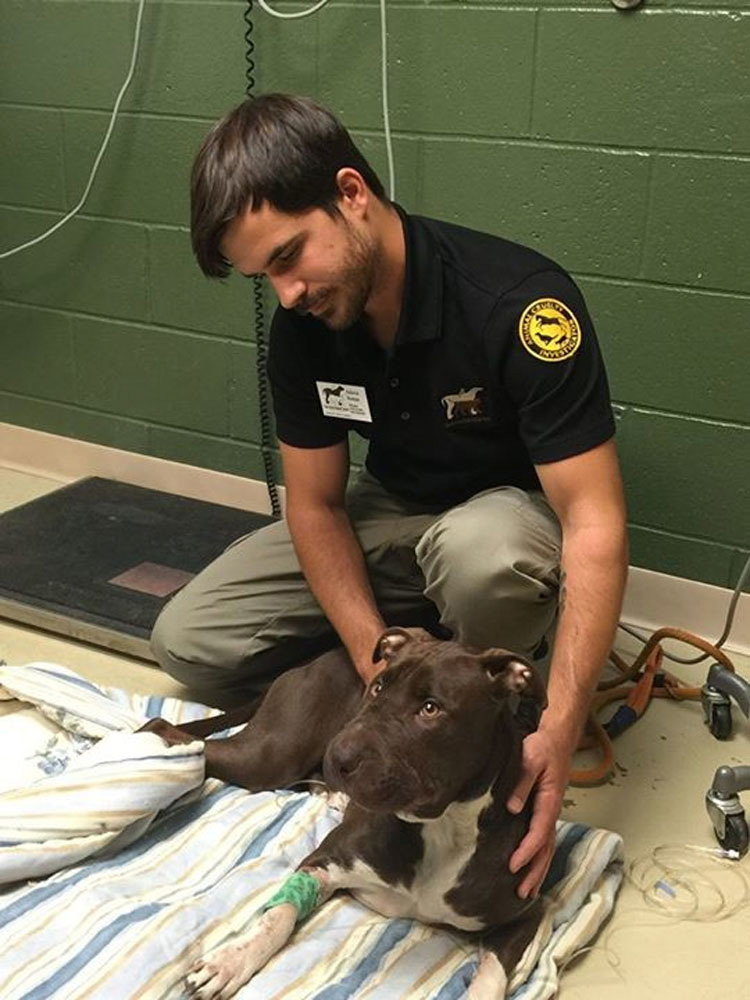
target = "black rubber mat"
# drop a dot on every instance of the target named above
(108, 554)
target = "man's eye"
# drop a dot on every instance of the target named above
(287, 257)
(430, 709)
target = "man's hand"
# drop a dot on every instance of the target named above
(546, 765)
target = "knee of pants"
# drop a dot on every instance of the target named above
(164, 643)
(492, 588)
(183, 650)
(205, 654)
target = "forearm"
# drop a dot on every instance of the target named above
(594, 569)
(335, 569)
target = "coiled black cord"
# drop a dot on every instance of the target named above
(266, 437)
(249, 49)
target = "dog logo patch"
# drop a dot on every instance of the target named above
(464, 405)
(549, 330)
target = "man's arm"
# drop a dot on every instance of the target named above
(586, 494)
(327, 548)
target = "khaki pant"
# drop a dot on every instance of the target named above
(487, 569)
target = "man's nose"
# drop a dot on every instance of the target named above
(289, 290)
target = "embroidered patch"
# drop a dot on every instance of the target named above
(465, 404)
(549, 330)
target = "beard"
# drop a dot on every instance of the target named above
(353, 284)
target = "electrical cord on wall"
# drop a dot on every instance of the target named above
(102, 149)
(261, 359)
(295, 14)
(384, 98)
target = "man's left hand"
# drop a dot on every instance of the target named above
(546, 765)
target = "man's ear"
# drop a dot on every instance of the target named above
(354, 196)
(394, 639)
(513, 675)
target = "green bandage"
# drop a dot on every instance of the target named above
(301, 890)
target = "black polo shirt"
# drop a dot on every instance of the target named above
(494, 368)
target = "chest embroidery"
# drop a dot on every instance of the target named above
(466, 405)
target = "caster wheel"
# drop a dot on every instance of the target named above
(735, 835)
(721, 722)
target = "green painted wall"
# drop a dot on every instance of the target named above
(618, 143)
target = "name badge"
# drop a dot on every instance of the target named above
(347, 401)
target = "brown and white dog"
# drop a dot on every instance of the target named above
(428, 759)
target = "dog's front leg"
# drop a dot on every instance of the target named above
(223, 971)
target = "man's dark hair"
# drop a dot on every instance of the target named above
(274, 148)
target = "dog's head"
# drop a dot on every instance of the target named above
(436, 726)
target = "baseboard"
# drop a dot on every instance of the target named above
(652, 599)
(56, 457)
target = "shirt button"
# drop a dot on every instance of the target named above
(406, 415)
(393, 383)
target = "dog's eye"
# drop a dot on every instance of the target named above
(376, 688)
(430, 709)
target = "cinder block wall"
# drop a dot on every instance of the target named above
(618, 143)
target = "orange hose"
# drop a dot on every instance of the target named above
(638, 697)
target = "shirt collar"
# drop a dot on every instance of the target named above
(421, 313)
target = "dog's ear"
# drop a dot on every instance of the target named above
(511, 674)
(394, 639)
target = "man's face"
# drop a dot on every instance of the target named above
(316, 263)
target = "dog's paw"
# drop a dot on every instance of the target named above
(204, 981)
(218, 976)
(171, 735)
(221, 972)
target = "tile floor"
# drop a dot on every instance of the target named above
(665, 764)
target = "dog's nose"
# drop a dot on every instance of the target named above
(345, 759)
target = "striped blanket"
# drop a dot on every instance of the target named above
(120, 865)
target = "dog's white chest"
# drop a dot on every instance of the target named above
(449, 843)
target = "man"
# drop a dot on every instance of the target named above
(492, 480)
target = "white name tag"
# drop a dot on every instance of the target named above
(347, 401)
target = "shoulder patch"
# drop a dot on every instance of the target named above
(549, 330)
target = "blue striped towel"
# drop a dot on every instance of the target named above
(180, 875)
